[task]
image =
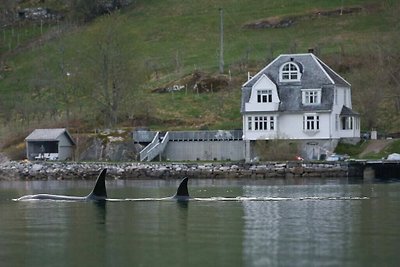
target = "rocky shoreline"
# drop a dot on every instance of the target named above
(25, 170)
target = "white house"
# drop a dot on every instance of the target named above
(298, 97)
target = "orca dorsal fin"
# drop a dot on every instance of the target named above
(182, 191)
(99, 190)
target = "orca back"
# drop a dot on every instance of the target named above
(182, 193)
(99, 191)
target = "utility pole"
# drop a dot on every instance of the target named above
(341, 9)
(221, 48)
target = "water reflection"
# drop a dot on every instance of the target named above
(323, 224)
(283, 233)
(101, 211)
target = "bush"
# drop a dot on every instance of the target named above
(272, 150)
(351, 150)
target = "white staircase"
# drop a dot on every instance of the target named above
(155, 148)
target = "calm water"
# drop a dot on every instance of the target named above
(341, 224)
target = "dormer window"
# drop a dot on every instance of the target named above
(290, 72)
(264, 96)
(311, 96)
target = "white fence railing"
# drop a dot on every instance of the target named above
(144, 154)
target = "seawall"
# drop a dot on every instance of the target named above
(69, 170)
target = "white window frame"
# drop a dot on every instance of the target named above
(261, 123)
(264, 96)
(347, 123)
(271, 123)
(249, 123)
(289, 72)
(311, 96)
(311, 122)
(337, 122)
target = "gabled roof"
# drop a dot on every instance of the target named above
(49, 135)
(315, 74)
(315, 71)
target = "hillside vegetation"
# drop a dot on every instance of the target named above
(117, 69)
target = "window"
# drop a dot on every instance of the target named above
(271, 123)
(311, 96)
(290, 72)
(261, 123)
(347, 123)
(264, 96)
(311, 122)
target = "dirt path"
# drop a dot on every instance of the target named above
(376, 146)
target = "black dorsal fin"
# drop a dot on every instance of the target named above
(99, 190)
(182, 191)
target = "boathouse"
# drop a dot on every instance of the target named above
(49, 144)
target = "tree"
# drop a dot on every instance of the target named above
(111, 78)
(376, 82)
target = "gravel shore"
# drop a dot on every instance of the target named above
(27, 170)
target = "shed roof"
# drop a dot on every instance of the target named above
(348, 112)
(49, 135)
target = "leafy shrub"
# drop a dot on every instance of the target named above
(272, 150)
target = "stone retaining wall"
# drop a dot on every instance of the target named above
(55, 170)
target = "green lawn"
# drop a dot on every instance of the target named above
(168, 39)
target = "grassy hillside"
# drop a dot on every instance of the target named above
(53, 75)
(370, 149)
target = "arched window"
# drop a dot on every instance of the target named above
(290, 72)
